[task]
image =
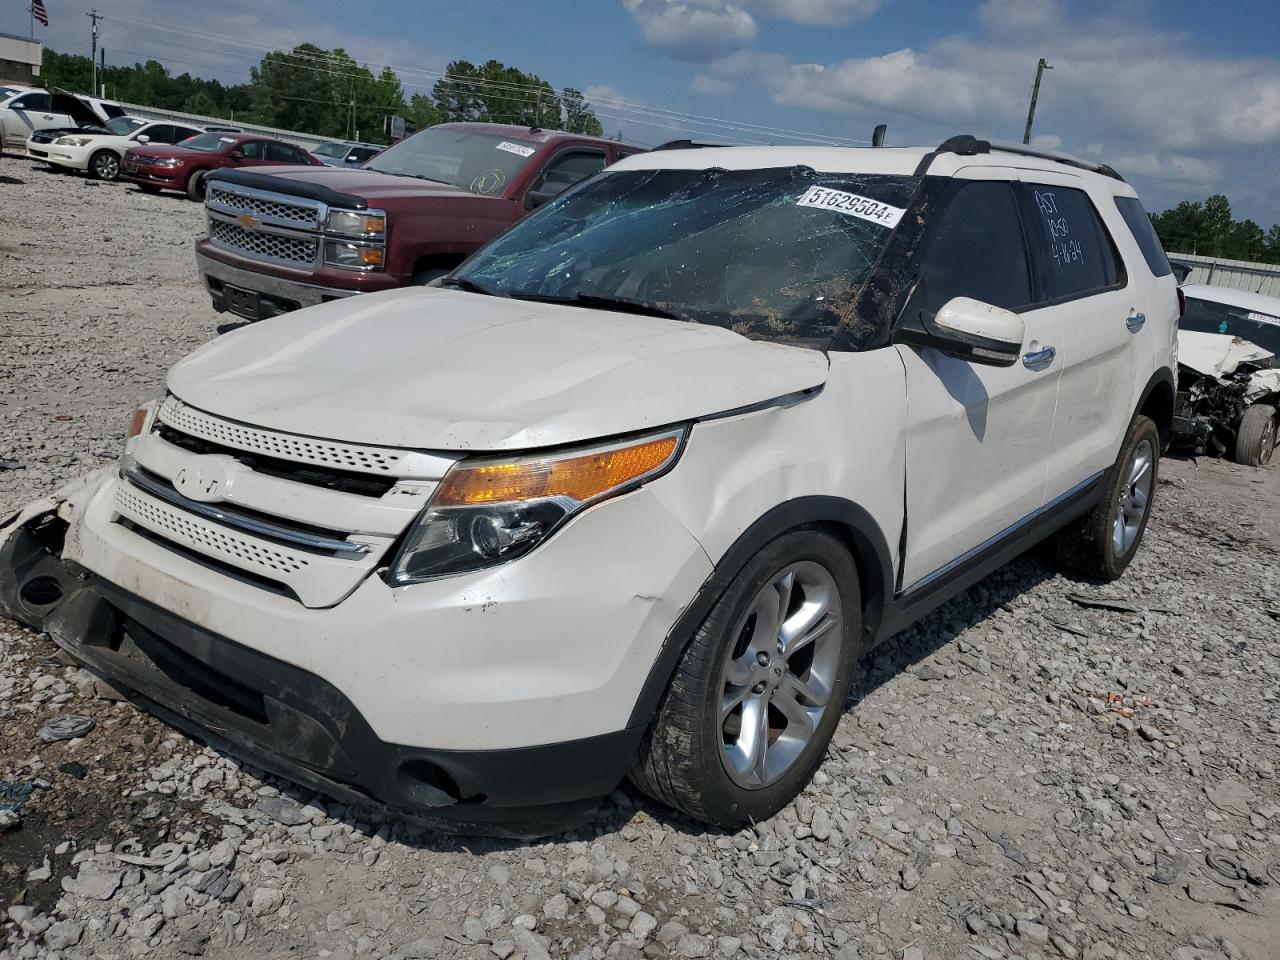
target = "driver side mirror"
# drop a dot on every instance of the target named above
(235, 154)
(968, 329)
(142, 138)
(545, 193)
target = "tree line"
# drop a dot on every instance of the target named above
(328, 94)
(1210, 230)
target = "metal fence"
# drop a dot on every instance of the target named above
(306, 140)
(1238, 274)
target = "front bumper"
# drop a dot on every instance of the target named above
(276, 294)
(73, 158)
(164, 178)
(503, 696)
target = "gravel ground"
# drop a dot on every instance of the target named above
(1028, 773)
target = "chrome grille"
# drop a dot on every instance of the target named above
(343, 456)
(263, 246)
(293, 214)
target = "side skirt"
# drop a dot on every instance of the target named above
(940, 586)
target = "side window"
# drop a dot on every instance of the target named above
(361, 154)
(280, 152)
(112, 110)
(975, 249)
(160, 133)
(570, 168)
(184, 133)
(33, 101)
(1140, 226)
(252, 149)
(1073, 253)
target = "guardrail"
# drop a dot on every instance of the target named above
(306, 140)
(1237, 274)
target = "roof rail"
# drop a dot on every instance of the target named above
(967, 145)
(684, 145)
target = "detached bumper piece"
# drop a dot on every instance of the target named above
(291, 722)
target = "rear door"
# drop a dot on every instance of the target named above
(977, 435)
(31, 112)
(1082, 283)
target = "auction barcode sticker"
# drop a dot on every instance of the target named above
(1265, 318)
(516, 148)
(850, 203)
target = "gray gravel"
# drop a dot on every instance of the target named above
(1027, 774)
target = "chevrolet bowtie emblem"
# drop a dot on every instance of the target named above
(248, 221)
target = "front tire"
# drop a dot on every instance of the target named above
(1256, 436)
(757, 695)
(196, 185)
(104, 165)
(1101, 544)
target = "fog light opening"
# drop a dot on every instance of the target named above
(41, 592)
(431, 785)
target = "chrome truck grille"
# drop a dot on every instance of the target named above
(294, 251)
(303, 517)
(283, 212)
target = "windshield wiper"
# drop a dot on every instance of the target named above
(415, 176)
(470, 286)
(620, 304)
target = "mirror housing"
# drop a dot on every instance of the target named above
(142, 138)
(547, 193)
(968, 329)
(235, 154)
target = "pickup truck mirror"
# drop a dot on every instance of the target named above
(545, 193)
(968, 329)
(236, 154)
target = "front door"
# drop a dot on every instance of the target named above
(29, 113)
(977, 435)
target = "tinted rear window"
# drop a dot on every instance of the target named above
(1073, 252)
(1140, 226)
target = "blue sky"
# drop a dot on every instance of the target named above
(1184, 100)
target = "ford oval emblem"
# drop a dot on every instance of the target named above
(205, 482)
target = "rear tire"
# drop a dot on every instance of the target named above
(196, 185)
(780, 654)
(104, 165)
(1256, 436)
(1100, 545)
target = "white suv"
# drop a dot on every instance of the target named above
(634, 489)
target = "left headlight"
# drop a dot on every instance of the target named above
(139, 424)
(170, 162)
(357, 223)
(491, 511)
(73, 141)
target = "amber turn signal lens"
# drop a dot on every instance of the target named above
(580, 478)
(371, 256)
(138, 422)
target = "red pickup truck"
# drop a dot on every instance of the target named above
(298, 236)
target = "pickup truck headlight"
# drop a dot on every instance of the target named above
(357, 223)
(494, 510)
(354, 256)
(73, 141)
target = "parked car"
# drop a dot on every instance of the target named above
(184, 167)
(632, 490)
(52, 109)
(99, 154)
(1228, 384)
(345, 154)
(282, 240)
(39, 142)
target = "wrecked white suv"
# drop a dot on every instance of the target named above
(633, 490)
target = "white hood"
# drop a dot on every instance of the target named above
(448, 370)
(1216, 354)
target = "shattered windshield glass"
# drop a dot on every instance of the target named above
(775, 254)
(1208, 316)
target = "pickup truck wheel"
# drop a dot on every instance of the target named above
(104, 165)
(195, 185)
(1100, 545)
(757, 695)
(1256, 436)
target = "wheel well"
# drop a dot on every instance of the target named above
(871, 584)
(437, 261)
(1157, 404)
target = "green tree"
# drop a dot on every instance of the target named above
(578, 117)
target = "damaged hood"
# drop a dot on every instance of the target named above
(1217, 354)
(447, 370)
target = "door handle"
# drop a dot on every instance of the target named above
(1135, 321)
(1039, 359)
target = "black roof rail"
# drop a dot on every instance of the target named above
(967, 145)
(685, 145)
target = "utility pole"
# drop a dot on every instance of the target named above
(1035, 95)
(95, 16)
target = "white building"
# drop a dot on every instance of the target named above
(19, 58)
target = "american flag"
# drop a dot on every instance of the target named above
(39, 12)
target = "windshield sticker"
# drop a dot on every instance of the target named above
(226, 139)
(853, 205)
(1265, 318)
(516, 149)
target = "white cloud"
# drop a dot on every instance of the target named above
(695, 30)
(1019, 17)
(825, 12)
(1047, 141)
(707, 86)
(1171, 168)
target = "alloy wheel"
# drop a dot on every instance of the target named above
(1135, 495)
(778, 675)
(106, 166)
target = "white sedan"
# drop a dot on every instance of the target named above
(99, 154)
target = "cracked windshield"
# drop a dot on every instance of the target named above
(771, 254)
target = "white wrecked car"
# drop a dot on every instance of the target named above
(1228, 385)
